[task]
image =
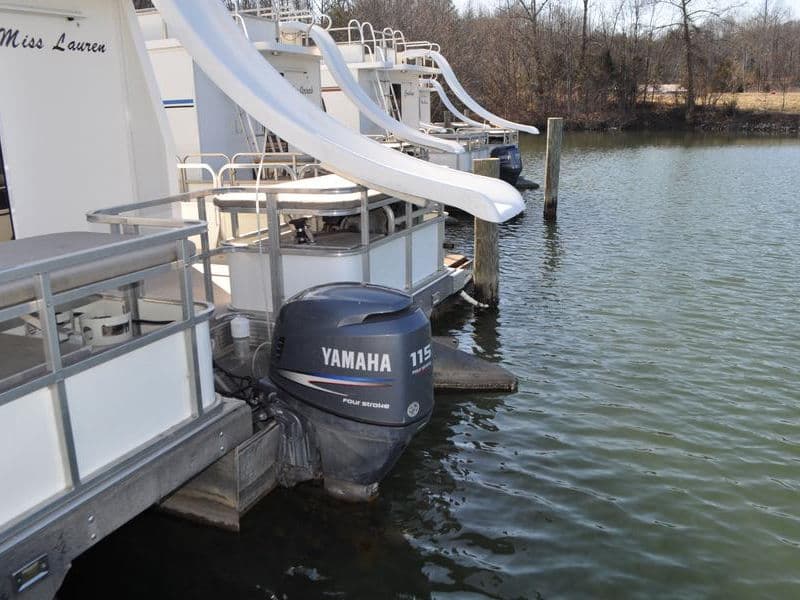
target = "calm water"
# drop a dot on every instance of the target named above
(653, 449)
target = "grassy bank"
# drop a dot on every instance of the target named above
(745, 113)
(772, 102)
(768, 102)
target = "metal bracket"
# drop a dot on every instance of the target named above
(34, 571)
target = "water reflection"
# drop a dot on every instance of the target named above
(430, 496)
(486, 341)
(553, 250)
(296, 544)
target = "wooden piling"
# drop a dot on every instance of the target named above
(486, 268)
(448, 119)
(555, 134)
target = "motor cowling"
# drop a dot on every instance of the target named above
(354, 363)
(361, 352)
(510, 162)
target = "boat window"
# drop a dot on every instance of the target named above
(6, 227)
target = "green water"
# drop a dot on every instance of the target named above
(653, 449)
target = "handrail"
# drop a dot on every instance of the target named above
(293, 155)
(122, 247)
(357, 24)
(199, 167)
(316, 167)
(174, 199)
(364, 26)
(233, 167)
(278, 191)
(204, 155)
(236, 16)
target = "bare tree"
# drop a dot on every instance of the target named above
(689, 15)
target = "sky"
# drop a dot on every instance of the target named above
(747, 8)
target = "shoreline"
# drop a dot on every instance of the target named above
(657, 117)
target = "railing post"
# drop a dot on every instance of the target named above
(275, 259)
(205, 250)
(365, 267)
(187, 301)
(409, 258)
(555, 129)
(486, 269)
(52, 353)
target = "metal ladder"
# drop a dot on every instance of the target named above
(245, 120)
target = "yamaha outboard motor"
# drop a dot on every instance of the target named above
(510, 162)
(353, 362)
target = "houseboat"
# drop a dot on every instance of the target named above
(400, 76)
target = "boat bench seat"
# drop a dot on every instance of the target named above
(44, 247)
(24, 359)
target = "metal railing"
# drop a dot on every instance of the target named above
(266, 168)
(275, 10)
(411, 221)
(46, 299)
(294, 165)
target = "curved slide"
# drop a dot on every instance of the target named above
(469, 101)
(236, 67)
(450, 106)
(347, 82)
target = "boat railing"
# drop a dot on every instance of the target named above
(274, 10)
(295, 159)
(314, 169)
(277, 203)
(404, 45)
(46, 290)
(119, 222)
(471, 139)
(275, 169)
(240, 19)
(376, 45)
(185, 168)
(273, 166)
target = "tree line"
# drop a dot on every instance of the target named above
(599, 62)
(596, 62)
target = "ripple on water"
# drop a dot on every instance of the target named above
(653, 447)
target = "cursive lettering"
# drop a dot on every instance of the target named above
(10, 39)
(88, 47)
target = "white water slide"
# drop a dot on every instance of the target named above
(338, 68)
(211, 37)
(469, 101)
(449, 104)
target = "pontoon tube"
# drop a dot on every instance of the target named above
(235, 66)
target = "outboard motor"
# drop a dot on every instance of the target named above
(510, 162)
(354, 362)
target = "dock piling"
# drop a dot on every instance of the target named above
(486, 269)
(555, 134)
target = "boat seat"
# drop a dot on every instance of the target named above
(24, 359)
(43, 247)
